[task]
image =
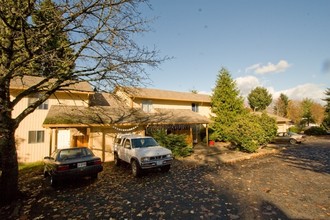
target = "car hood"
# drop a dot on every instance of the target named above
(153, 151)
(297, 136)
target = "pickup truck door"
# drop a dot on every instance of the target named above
(126, 151)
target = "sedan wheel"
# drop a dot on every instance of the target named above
(293, 141)
(136, 170)
(53, 181)
(94, 176)
(45, 173)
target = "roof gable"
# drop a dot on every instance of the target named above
(28, 81)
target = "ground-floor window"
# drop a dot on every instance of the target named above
(36, 137)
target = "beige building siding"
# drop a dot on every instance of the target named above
(203, 108)
(31, 152)
(282, 127)
(69, 99)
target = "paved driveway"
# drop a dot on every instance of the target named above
(292, 184)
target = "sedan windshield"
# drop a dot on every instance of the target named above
(74, 153)
(144, 142)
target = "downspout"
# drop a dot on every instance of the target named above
(207, 135)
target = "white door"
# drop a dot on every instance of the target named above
(63, 139)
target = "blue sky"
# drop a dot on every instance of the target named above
(283, 45)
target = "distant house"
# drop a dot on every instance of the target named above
(283, 124)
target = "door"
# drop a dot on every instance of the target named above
(63, 138)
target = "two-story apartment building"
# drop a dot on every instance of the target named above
(129, 110)
(76, 116)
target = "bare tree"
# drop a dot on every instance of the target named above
(95, 44)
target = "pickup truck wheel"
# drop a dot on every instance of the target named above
(136, 170)
(116, 159)
(165, 169)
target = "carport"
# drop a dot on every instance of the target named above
(96, 126)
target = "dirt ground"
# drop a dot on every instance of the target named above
(286, 182)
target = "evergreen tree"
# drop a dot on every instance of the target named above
(226, 104)
(49, 18)
(326, 120)
(259, 99)
(281, 105)
(307, 116)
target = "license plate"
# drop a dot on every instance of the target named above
(159, 163)
(81, 164)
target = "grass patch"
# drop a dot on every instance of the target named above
(27, 166)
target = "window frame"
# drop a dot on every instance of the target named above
(195, 107)
(36, 137)
(147, 106)
(35, 97)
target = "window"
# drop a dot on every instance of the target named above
(194, 107)
(36, 137)
(34, 98)
(147, 105)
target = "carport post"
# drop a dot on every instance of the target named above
(50, 141)
(103, 145)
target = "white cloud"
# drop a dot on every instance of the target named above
(281, 66)
(313, 91)
(308, 90)
(246, 84)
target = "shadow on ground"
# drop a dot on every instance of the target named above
(300, 156)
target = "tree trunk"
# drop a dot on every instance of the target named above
(9, 177)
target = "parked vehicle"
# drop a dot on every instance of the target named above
(71, 163)
(289, 137)
(142, 153)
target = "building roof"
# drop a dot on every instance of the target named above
(105, 99)
(278, 119)
(66, 116)
(28, 81)
(146, 93)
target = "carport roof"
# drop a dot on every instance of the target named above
(80, 116)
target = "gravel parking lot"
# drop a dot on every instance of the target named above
(291, 184)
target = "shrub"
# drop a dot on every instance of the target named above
(268, 124)
(295, 129)
(175, 142)
(315, 131)
(250, 131)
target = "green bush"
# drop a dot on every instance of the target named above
(175, 142)
(295, 129)
(249, 131)
(268, 124)
(315, 131)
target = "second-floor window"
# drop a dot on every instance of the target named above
(194, 107)
(34, 98)
(147, 105)
(36, 137)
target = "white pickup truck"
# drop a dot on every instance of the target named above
(141, 152)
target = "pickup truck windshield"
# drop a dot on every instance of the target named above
(143, 142)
